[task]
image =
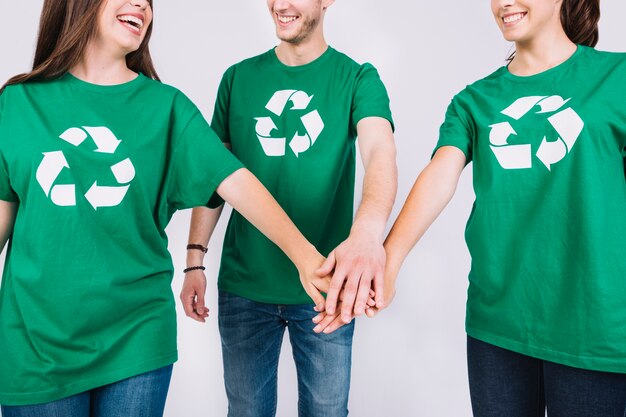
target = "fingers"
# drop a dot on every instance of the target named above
(192, 297)
(379, 289)
(188, 299)
(326, 320)
(200, 305)
(349, 296)
(371, 312)
(363, 295)
(328, 323)
(328, 265)
(317, 297)
(370, 301)
(334, 325)
(317, 319)
(332, 297)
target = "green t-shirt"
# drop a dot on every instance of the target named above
(547, 233)
(97, 172)
(295, 129)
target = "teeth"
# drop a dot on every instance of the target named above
(286, 19)
(513, 18)
(131, 19)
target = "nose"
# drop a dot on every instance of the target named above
(281, 5)
(506, 3)
(140, 3)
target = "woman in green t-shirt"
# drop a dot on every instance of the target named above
(546, 309)
(95, 157)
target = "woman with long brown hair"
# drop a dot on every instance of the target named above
(95, 157)
(546, 309)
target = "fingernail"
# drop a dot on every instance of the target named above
(345, 318)
(317, 329)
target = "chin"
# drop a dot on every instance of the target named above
(510, 36)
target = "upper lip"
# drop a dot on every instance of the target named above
(285, 15)
(138, 16)
(503, 15)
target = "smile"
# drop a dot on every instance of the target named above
(513, 18)
(134, 23)
(286, 19)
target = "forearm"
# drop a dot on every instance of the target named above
(380, 185)
(245, 193)
(430, 194)
(203, 222)
(7, 219)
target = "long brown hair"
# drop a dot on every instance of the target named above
(65, 29)
(579, 19)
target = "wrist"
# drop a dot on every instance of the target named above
(195, 254)
(370, 230)
(306, 256)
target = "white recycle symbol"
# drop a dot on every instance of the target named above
(312, 122)
(98, 196)
(567, 124)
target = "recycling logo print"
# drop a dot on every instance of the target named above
(53, 164)
(313, 124)
(565, 122)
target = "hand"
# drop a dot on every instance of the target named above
(192, 295)
(312, 282)
(390, 293)
(359, 262)
(328, 323)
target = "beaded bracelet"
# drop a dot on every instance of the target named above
(193, 268)
(196, 246)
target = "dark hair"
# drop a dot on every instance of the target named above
(65, 29)
(579, 19)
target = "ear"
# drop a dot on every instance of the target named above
(327, 3)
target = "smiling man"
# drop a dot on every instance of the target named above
(292, 116)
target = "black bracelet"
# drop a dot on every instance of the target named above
(195, 246)
(193, 268)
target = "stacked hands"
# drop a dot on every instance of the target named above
(352, 277)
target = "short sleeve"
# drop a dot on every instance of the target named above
(220, 120)
(6, 191)
(370, 97)
(200, 162)
(456, 130)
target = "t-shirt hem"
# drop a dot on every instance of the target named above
(456, 145)
(7, 196)
(40, 397)
(263, 299)
(563, 358)
(358, 118)
(209, 198)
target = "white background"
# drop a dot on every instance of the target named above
(410, 360)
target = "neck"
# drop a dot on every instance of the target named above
(97, 66)
(541, 53)
(302, 52)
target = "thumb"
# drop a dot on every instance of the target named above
(317, 298)
(200, 307)
(327, 266)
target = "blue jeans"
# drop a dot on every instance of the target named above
(140, 396)
(505, 383)
(252, 334)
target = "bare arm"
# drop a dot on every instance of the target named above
(7, 219)
(245, 193)
(203, 222)
(430, 194)
(360, 259)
